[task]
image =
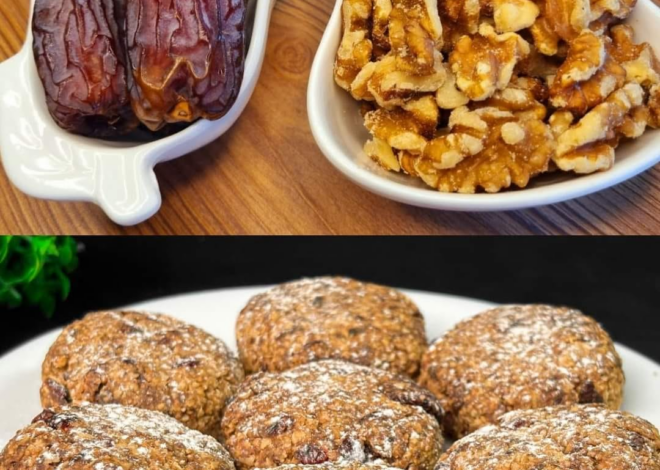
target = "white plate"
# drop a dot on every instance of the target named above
(216, 312)
(340, 134)
(44, 161)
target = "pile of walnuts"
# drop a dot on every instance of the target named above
(483, 94)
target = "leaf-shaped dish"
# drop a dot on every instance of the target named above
(47, 162)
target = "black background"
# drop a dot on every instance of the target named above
(615, 280)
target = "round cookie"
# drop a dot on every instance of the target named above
(331, 411)
(111, 437)
(146, 360)
(331, 318)
(520, 357)
(569, 437)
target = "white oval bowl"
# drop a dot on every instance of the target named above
(44, 161)
(340, 134)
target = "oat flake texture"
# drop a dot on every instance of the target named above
(146, 360)
(520, 357)
(332, 411)
(331, 318)
(111, 437)
(567, 437)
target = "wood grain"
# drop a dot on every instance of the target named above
(266, 175)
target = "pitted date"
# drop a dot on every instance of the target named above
(185, 58)
(81, 63)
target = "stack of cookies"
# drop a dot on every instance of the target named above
(334, 373)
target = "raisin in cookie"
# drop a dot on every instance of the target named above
(331, 318)
(331, 411)
(520, 357)
(146, 360)
(568, 437)
(111, 437)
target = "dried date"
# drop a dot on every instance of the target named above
(185, 58)
(80, 60)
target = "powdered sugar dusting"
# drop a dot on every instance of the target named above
(577, 437)
(353, 413)
(523, 356)
(170, 342)
(307, 289)
(114, 437)
(331, 317)
(125, 356)
(340, 465)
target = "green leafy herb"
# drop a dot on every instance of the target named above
(34, 270)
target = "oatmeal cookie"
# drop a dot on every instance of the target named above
(568, 437)
(329, 411)
(111, 437)
(520, 357)
(146, 360)
(331, 318)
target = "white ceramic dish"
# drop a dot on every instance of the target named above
(216, 312)
(340, 134)
(45, 161)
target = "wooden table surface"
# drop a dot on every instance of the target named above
(267, 176)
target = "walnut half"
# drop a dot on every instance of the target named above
(588, 146)
(356, 47)
(484, 63)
